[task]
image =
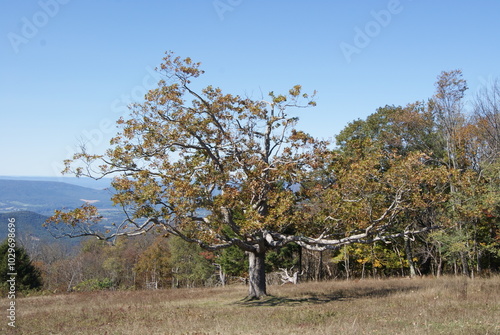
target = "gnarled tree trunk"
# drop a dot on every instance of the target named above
(257, 275)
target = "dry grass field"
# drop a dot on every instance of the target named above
(394, 306)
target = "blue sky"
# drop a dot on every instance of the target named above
(69, 67)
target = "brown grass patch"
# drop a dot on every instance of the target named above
(394, 306)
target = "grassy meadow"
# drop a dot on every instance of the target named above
(446, 305)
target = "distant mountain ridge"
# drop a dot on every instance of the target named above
(28, 225)
(44, 197)
(30, 230)
(99, 184)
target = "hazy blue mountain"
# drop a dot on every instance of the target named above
(100, 184)
(27, 224)
(45, 196)
(29, 229)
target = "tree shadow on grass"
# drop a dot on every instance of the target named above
(323, 298)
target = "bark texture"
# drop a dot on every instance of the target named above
(257, 275)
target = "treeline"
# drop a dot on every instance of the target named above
(462, 141)
(153, 262)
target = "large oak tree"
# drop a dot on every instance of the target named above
(224, 170)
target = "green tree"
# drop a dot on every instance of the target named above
(233, 261)
(189, 264)
(397, 129)
(27, 277)
(285, 257)
(221, 170)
